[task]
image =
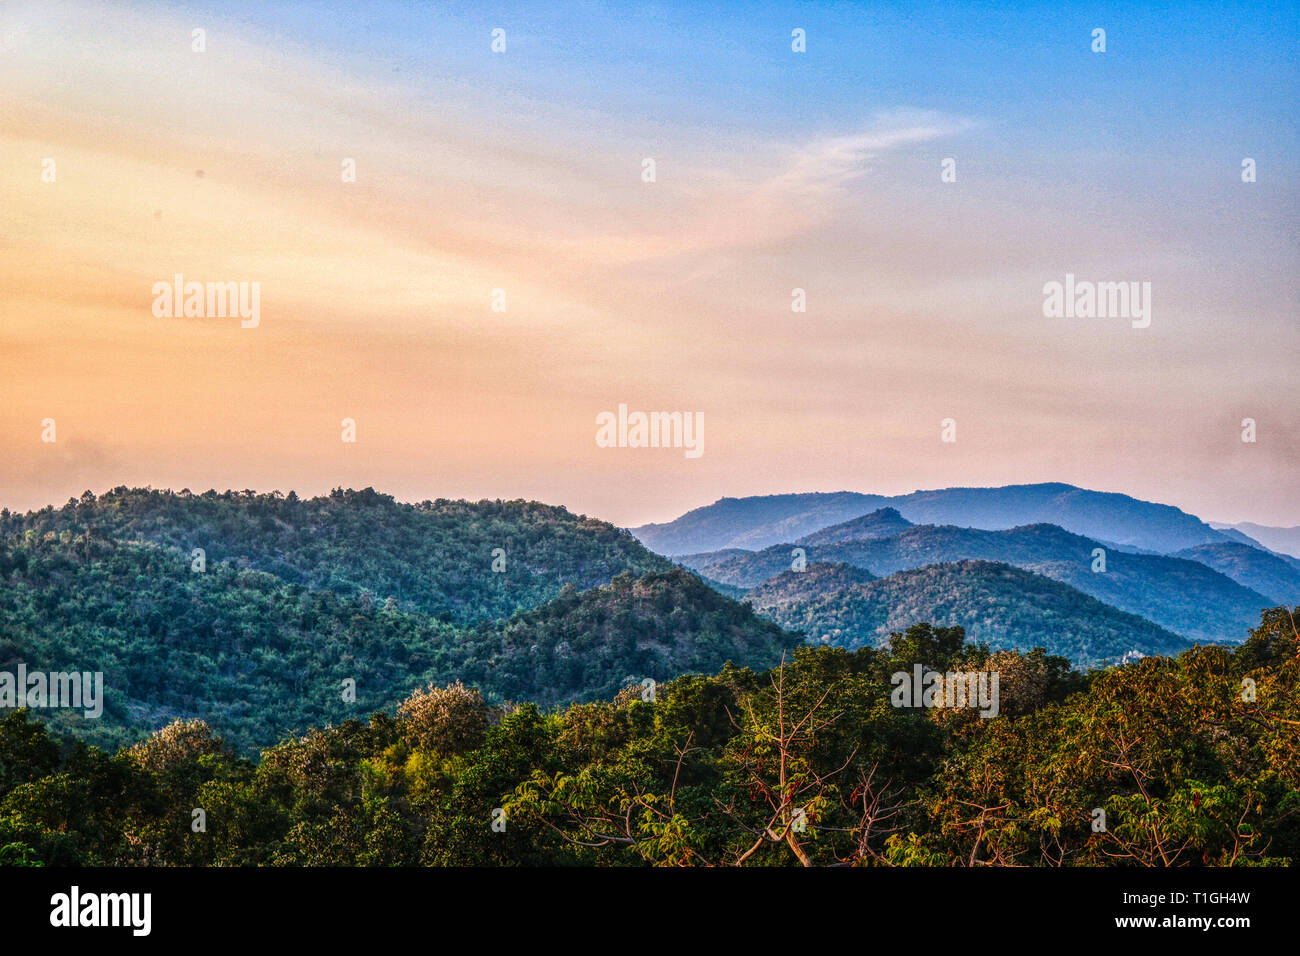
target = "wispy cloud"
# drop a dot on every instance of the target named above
(822, 169)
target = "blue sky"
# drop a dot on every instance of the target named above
(776, 171)
(1176, 70)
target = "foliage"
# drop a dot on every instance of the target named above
(434, 557)
(259, 658)
(996, 603)
(1194, 760)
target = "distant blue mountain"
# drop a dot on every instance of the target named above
(759, 522)
(1206, 593)
(1284, 540)
(1272, 575)
(882, 523)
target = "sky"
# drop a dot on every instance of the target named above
(517, 179)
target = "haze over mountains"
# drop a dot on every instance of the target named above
(1283, 540)
(1276, 576)
(1178, 593)
(759, 522)
(881, 523)
(1150, 560)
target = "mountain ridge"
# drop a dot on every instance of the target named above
(1283, 540)
(762, 521)
(996, 603)
(1177, 593)
(258, 657)
(435, 556)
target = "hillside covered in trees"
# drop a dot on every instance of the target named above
(299, 613)
(1191, 760)
(435, 557)
(294, 598)
(996, 603)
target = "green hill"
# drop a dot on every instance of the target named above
(588, 645)
(259, 644)
(251, 654)
(998, 604)
(435, 556)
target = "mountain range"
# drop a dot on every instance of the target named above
(1283, 540)
(1213, 599)
(759, 522)
(253, 611)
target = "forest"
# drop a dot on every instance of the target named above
(349, 680)
(1188, 760)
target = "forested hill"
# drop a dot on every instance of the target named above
(586, 646)
(435, 557)
(259, 657)
(997, 604)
